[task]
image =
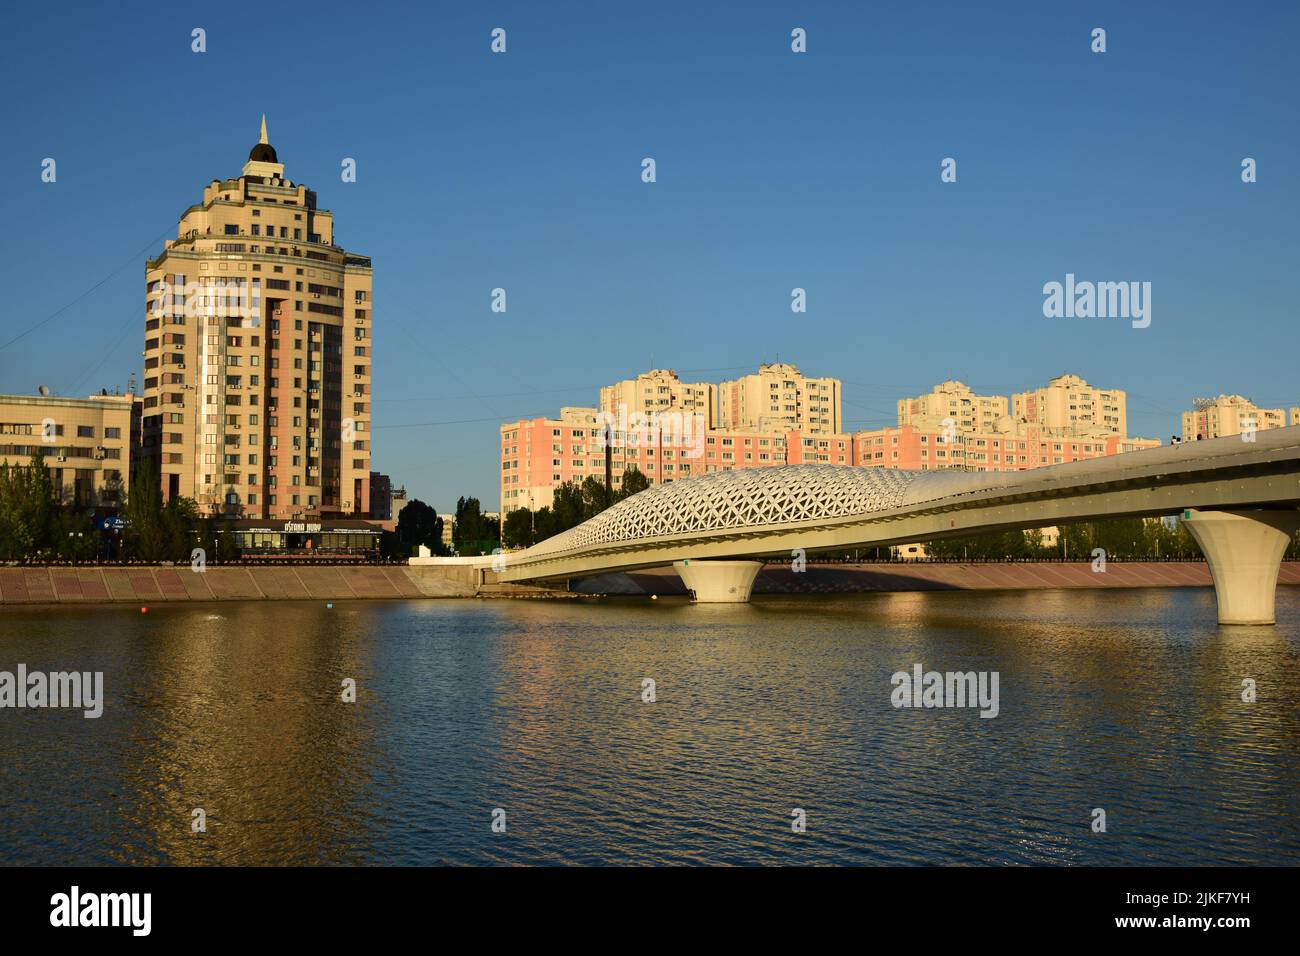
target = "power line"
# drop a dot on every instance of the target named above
(107, 354)
(54, 315)
(463, 421)
(541, 391)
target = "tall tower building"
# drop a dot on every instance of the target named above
(257, 361)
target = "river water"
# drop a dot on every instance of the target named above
(1124, 701)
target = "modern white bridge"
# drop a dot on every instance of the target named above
(1238, 498)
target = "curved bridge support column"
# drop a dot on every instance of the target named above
(1244, 550)
(718, 582)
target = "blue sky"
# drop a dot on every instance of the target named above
(775, 170)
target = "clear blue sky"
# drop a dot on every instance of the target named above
(775, 170)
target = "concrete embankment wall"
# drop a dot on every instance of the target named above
(159, 585)
(856, 578)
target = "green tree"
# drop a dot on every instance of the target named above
(419, 524)
(544, 525)
(176, 525)
(142, 538)
(633, 481)
(568, 506)
(1075, 541)
(595, 497)
(75, 537)
(227, 545)
(517, 529)
(473, 533)
(1120, 537)
(1184, 544)
(27, 509)
(206, 537)
(987, 546)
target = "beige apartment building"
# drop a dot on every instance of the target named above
(658, 391)
(1068, 407)
(258, 344)
(1229, 415)
(970, 413)
(86, 443)
(777, 398)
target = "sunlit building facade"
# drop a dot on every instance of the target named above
(953, 402)
(778, 398)
(86, 443)
(1068, 407)
(1229, 415)
(258, 346)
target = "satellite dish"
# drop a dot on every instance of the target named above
(43, 389)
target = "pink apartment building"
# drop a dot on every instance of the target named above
(911, 448)
(539, 454)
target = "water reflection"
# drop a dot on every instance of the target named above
(1125, 700)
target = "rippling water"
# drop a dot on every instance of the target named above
(1124, 700)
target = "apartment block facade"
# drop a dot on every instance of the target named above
(1068, 407)
(658, 391)
(258, 347)
(913, 448)
(86, 443)
(540, 454)
(1229, 415)
(779, 398)
(968, 412)
(949, 427)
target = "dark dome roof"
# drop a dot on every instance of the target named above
(263, 153)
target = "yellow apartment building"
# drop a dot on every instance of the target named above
(257, 362)
(779, 398)
(86, 443)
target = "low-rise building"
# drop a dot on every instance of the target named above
(911, 448)
(1229, 415)
(87, 443)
